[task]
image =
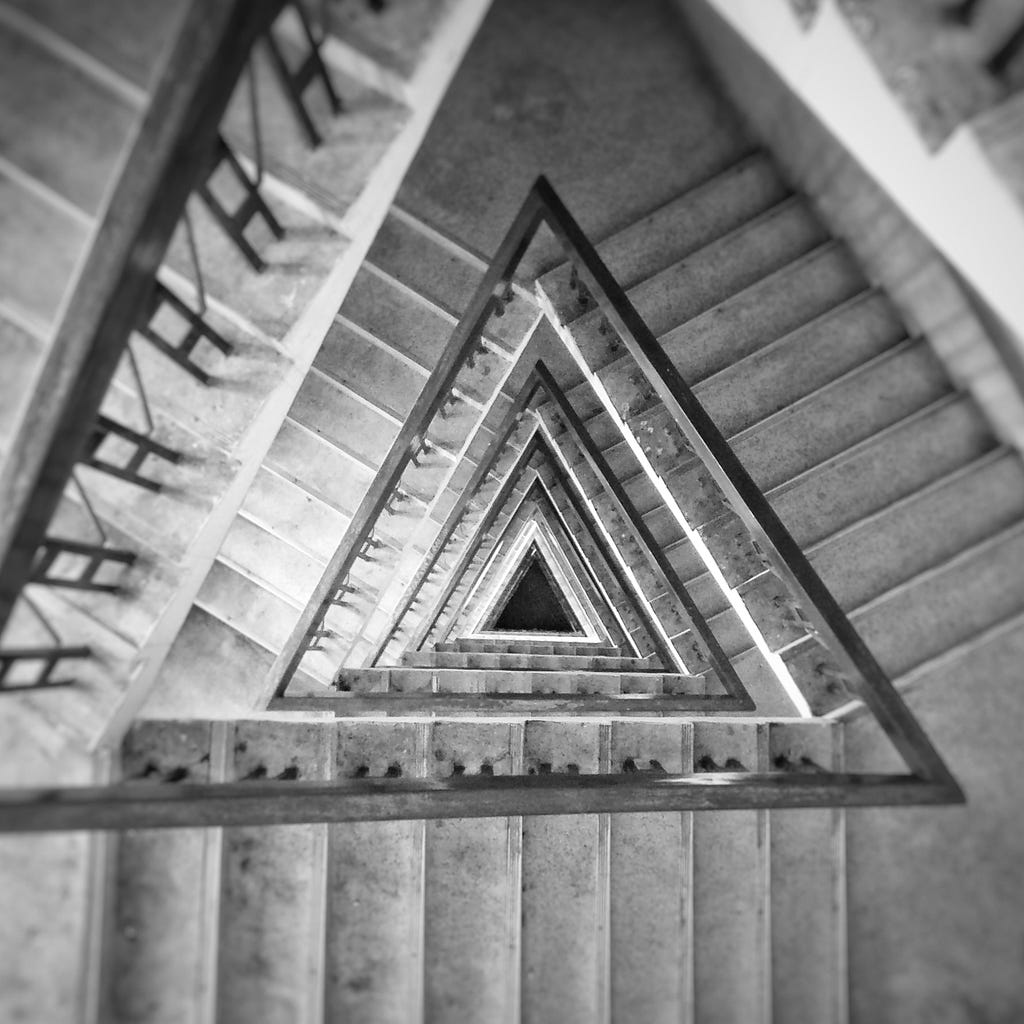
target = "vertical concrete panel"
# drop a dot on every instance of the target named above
(155, 962)
(467, 887)
(561, 954)
(651, 924)
(808, 911)
(271, 936)
(375, 889)
(730, 888)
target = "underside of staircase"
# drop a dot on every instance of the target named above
(304, 760)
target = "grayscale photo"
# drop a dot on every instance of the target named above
(511, 511)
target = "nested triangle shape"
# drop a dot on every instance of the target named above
(802, 610)
(581, 566)
(534, 602)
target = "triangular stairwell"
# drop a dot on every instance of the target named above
(556, 396)
(445, 619)
(534, 602)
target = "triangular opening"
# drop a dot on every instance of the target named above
(534, 603)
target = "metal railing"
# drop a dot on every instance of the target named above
(543, 207)
(178, 148)
(138, 805)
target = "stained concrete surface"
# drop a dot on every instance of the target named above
(610, 100)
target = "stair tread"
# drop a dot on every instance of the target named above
(353, 142)
(684, 224)
(43, 244)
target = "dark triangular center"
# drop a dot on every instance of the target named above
(534, 603)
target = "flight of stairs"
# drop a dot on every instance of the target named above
(728, 916)
(222, 428)
(888, 477)
(372, 365)
(850, 426)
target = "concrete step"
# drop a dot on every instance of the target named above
(223, 410)
(249, 606)
(650, 936)
(352, 425)
(907, 538)
(270, 560)
(849, 410)
(406, 322)
(925, 446)
(926, 528)
(892, 544)
(170, 520)
(100, 679)
(356, 360)
(270, 301)
(768, 309)
(495, 680)
(530, 647)
(61, 111)
(184, 680)
(131, 45)
(531, 663)
(680, 227)
(920, 618)
(23, 355)
(160, 960)
(282, 507)
(730, 893)
(404, 251)
(799, 363)
(143, 589)
(729, 630)
(35, 275)
(354, 141)
(807, 886)
(376, 917)
(711, 275)
(374, 941)
(316, 466)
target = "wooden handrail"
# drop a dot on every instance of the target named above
(187, 805)
(170, 151)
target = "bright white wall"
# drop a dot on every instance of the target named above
(954, 196)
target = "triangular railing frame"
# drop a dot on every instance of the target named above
(533, 534)
(542, 381)
(543, 207)
(152, 805)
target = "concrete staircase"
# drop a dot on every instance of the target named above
(370, 368)
(888, 477)
(221, 427)
(578, 918)
(850, 426)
